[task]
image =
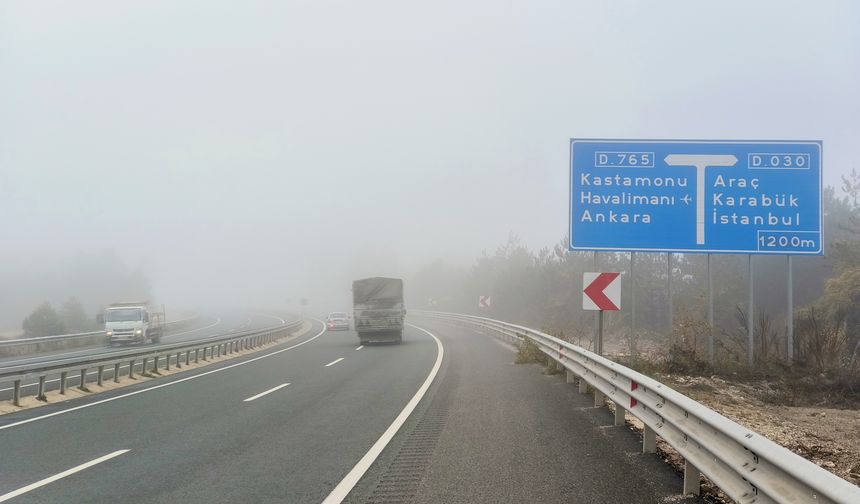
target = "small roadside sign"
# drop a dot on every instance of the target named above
(484, 301)
(601, 291)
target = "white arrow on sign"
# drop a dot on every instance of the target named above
(484, 301)
(700, 161)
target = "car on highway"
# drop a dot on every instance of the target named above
(337, 321)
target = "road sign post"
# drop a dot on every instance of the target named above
(789, 337)
(710, 312)
(632, 298)
(750, 317)
(601, 292)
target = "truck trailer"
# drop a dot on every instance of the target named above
(378, 309)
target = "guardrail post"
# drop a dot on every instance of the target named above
(116, 372)
(155, 365)
(598, 398)
(131, 370)
(570, 377)
(649, 440)
(178, 360)
(167, 362)
(16, 393)
(40, 394)
(63, 377)
(83, 384)
(100, 376)
(620, 419)
(196, 355)
(583, 386)
(143, 366)
(692, 479)
(204, 353)
(187, 357)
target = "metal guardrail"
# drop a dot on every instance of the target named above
(65, 337)
(745, 465)
(204, 349)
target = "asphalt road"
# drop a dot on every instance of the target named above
(487, 431)
(200, 441)
(207, 327)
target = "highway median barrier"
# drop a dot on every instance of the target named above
(30, 346)
(106, 372)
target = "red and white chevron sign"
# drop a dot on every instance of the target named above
(601, 291)
(484, 301)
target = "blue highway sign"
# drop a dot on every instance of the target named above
(756, 197)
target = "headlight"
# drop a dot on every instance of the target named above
(109, 333)
(138, 331)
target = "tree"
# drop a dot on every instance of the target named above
(44, 321)
(74, 317)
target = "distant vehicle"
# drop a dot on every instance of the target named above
(378, 309)
(337, 321)
(132, 323)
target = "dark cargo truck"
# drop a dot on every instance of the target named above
(378, 309)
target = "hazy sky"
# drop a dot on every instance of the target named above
(261, 150)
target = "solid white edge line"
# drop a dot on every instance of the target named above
(168, 384)
(359, 348)
(261, 394)
(351, 479)
(61, 475)
(332, 363)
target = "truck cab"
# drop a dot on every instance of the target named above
(132, 323)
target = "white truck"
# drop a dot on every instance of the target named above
(132, 323)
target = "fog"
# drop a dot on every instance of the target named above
(250, 154)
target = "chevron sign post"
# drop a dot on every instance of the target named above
(601, 291)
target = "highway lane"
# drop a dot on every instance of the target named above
(209, 327)
(201, 441)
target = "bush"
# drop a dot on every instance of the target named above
(44, 321)
(529, 353)
(821, 345)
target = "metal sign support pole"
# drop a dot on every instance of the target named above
(597, 319)
(669, 285)
(632, 296)
(598, 342)
(750, 317)
(710, 311)
(790, 316)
